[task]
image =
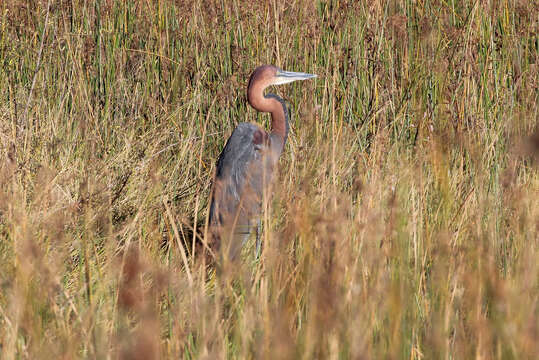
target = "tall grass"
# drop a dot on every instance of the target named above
(404, 220)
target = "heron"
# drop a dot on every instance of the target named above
(246, 165)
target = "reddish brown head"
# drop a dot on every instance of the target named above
(261, 78)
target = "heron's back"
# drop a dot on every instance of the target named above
(244, 171)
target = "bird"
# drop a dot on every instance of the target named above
(246, 165)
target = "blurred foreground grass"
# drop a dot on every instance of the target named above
(405, 219)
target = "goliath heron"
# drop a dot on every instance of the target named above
(246, 164)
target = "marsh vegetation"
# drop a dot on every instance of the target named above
(404, 223)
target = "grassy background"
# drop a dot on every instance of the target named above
(404, 223)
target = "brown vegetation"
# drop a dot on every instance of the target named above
(405, 219)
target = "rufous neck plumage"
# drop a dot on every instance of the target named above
(268, 103)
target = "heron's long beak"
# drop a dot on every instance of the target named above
(285, 77)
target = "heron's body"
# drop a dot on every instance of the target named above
(246, 165)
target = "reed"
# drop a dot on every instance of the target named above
(404, 223)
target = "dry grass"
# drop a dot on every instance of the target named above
(405, 219)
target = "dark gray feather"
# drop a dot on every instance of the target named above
(243, 170)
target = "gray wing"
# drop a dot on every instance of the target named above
(244, 170)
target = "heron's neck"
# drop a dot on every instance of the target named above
(273, 104)
(279, 117)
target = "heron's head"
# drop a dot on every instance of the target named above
(266, 75)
